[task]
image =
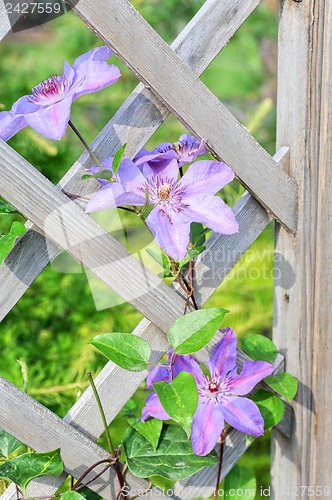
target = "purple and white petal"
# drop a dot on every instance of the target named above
(223, 358)
(206, 177)
(93, 73)
(51, 121)
(157, 167)
(244, 415)
(112, 195)
(211, 211)
(154, 408)
(131, 177)
(189, 149)
(171, 235)
(186, 363)
(10, 124)
(161, 372)
(252, 373)
(208, 423)
(169, 174)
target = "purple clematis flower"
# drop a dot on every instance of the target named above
(219, 396)
(47, 109)
(168, 372)
(184, 151)
(176, 202)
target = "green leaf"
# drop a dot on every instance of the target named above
(7, 208)
(173, 459)
(126, 350)
(192, 253)
(198, 234)
(259, 348)
(86, 177)
(179, 399)
(270, 406)
(238, 481)
(151, 430)
(194, 330)
(7, 241)
(129, 410)
(118, 157)
(22, 469)
(284, 384)
(72, 495)
(103, 174)
(8, 444)
(159, 257)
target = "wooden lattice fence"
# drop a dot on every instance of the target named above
(171, 84)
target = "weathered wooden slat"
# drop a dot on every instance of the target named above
(303, 288)
(84, 414)
(70, 228)
(41, 429)
(134, 123)
(123, 28)
(5, 26)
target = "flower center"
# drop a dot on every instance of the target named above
(164, 191)
(49, 91)
(166, 194)
(214, 389)
(183, 148)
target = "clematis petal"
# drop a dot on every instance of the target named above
(157, 167)
(154, 408)
(51, 121)
(131, 177)
(69, 73)
(93, 73)
(211, 211)
(169, 174)
(10, 124)
(244, 415)
(252, 373)
(206, 177)
(208, 423)
(223, 358)
(191, 148)
(161, 372)
(186, 363)
(112, 195)
(172, 235)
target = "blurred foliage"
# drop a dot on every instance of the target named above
(50, 326)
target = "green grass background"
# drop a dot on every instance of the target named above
(50, 326)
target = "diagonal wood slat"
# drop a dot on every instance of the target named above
(212, 266)
(134, 123)
(70, 228)
(124, 127)
(123, 28)
(44, 430)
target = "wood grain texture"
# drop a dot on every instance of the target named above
(302, 326)
(134, 123)
(84, 415)
(71, 229)
(41, 429)
(123, 28)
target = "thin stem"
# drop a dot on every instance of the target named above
(191, 282)
(73, 195)
(77, 486)
(222, 441)
(102, 414)
(108, 437)
(86, 145)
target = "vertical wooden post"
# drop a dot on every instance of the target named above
(303, 284)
